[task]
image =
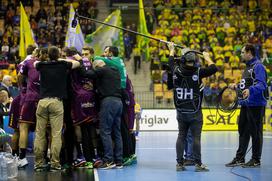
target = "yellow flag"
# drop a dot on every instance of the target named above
(26, 34)
(143, 43)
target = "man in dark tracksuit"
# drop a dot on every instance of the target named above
(254, 91)
(187, 81)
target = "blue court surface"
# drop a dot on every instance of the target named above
(157, 160)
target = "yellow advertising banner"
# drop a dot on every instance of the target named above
(268, 121)
(214, 120)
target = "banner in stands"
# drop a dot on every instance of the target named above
(165, 119)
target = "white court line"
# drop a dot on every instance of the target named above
(96, 178)
(269, 137)
(211, 148)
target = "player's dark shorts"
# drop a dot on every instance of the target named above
(28, 112)
(15, 109)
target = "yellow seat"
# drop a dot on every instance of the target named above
(237, 74)
(5, 72)
(167, 94)
(2, 25)
(217, 74)
(226, 66)
(222, 84)
(158, 90)
(228, 74)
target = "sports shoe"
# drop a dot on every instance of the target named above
(97, 163)
(189, 162)
(235, 162)
(55, 169)
(22, 163)
(133, 158)
(252, 164)
(201, 168)
(119, 165)
(66, 167)
(107, 165)
(180, 167)
(47, 161)
(41, 168)
(79, 162)
(127, 161)
(88, 165)
(130, 160)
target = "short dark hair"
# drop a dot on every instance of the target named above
(43, 56)
(250, 48)
(90, 49)
(106, 47)
(53, 53)
(30, 49)
(71, 51)
(114, 50)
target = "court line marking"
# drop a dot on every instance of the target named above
(161, 148)
(96, 178)
(202, 148)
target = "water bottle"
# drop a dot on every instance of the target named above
(1, 160)
(4, 172)
(9, 167)
(5, 169)
(13, 168)
(7, 148)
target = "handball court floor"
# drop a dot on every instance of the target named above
(156, 161)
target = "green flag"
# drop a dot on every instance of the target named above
(107, 36)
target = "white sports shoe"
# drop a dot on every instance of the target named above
(22, 163)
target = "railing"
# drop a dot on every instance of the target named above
(157, 100)
(148, 100)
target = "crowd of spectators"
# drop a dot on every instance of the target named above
(49, 23)
(216, 26)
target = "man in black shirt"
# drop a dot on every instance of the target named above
(187, 86)
(109, 88)
(53, 89)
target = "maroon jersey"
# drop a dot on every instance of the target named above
(33, 85)
(130, 108)
(83, 101)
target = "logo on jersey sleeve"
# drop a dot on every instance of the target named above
(195, 78)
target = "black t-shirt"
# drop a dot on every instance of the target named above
(53, 78)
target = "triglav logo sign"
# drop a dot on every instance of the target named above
(151, 121)
(158, 119)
